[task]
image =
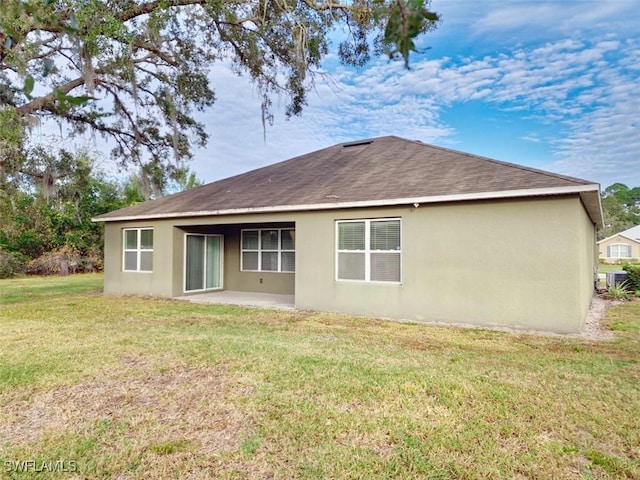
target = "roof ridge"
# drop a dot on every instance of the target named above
(376, 169)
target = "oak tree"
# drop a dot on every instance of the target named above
(137, 71)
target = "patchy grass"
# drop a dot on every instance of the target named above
(152, 389)
(39, 288)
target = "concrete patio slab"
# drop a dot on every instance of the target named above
(247, 299)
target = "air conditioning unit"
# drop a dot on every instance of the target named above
(616, 278)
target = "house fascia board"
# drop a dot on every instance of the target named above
(533, 192)
(599, 211)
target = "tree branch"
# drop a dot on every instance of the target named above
(150, 7)
(114, 132)
(156, 51)
(327, 6)
(45, 102)
(119, 104)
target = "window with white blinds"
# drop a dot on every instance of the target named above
(368, 250)
(268, 250)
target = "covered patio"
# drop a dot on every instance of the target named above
(246, 299)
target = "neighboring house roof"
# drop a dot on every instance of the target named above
(625, 235)
(633, 232)
(375, 172)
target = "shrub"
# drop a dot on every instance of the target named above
(633, 276)
(11, 264)
(619, 261)
(92, 260)
(619, 291)
(61, 261)
(66, 261)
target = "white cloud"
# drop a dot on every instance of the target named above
(539, 18)
(587, 90)
(568, 66)
(604, 142)
(533, 138)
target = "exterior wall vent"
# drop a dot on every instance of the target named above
(359, 143)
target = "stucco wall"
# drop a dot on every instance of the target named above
(519, 263)
(617, 240)
(263, 282)
(514, 263)
(588, 261)
(167, 278)
(157, 283)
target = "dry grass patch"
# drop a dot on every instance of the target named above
(184, 400)
(143, 417)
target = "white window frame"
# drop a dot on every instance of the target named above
(367, 250)
(618, 245)
(259, 250)
(138, 250)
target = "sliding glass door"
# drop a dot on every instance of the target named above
(203, 262)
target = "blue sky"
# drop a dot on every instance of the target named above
(547, 84)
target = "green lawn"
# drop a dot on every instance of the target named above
(139, 388)
(607, 267)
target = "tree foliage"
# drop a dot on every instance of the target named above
(46, 209)
(621, 208)
(50, 203)
(137, 70)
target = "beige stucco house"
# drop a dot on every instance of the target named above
(383, 227)
(621, 247)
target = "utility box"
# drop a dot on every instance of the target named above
(616, 278)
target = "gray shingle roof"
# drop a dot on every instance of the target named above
(633, 232)
(374, 171)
